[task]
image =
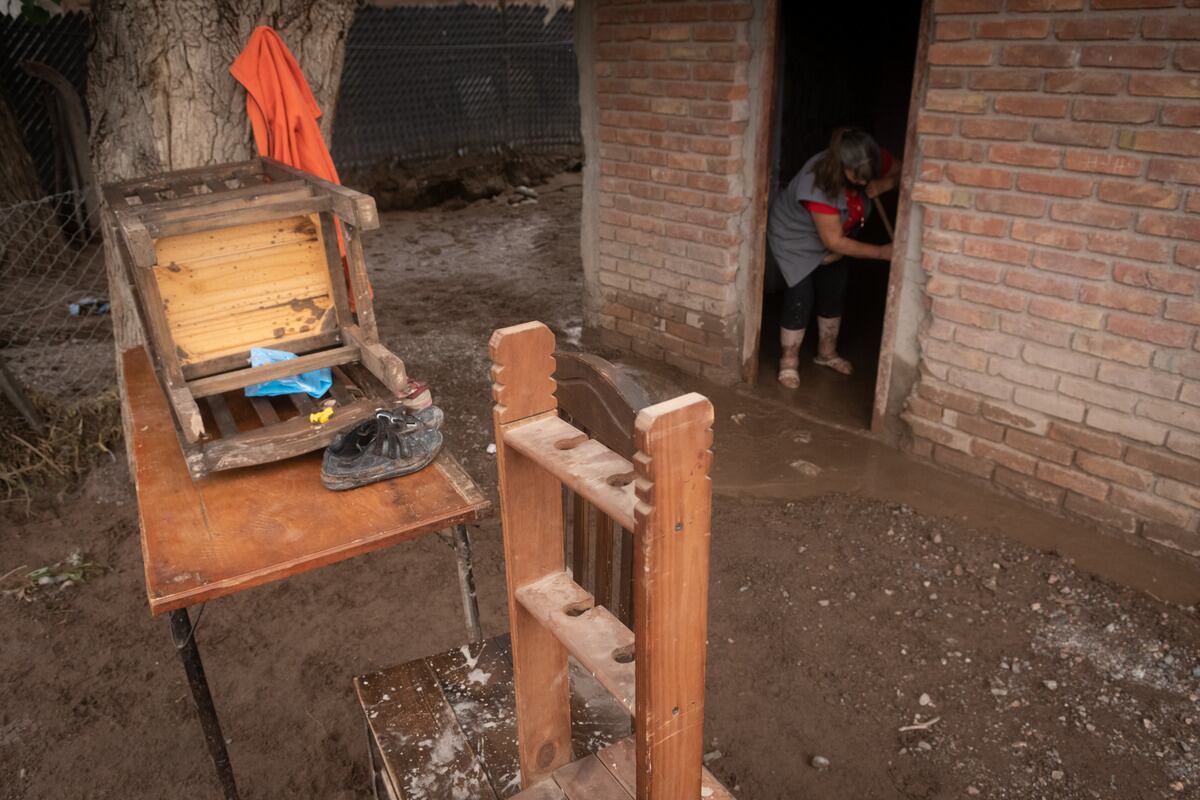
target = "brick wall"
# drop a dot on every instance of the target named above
(1059, 193)
(669, 205)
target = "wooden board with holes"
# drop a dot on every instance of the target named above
(255, 254)
(206, 538)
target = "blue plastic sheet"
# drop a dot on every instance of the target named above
(314, 384)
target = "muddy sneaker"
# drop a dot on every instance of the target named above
(387, 446)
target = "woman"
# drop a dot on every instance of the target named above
(811, 226)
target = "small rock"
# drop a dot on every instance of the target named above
(1051, 685)
(1058, 774)
(806, 468)
(712, 755)
(526, 191)
(491, 448)
(819, 762)
(1196, 672)
(802, 437)
(823, 603)
(925, 745)
(924, 700)
(972, 791)
(1177, 786)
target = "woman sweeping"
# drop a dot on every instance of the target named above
(812, 225)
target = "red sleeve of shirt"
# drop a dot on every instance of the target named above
(819, 208)
(885, 162)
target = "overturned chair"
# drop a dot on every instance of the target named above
(444, 726)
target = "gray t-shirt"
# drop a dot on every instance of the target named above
(792, 232)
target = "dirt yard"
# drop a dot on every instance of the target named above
(922, 637)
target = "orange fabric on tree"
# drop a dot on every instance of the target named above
(283, 112)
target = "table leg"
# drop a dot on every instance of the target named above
(466, 582)
(184, 637)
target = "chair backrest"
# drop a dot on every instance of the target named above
(663, 495)
(602, 400)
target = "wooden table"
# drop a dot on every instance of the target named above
(204, 539)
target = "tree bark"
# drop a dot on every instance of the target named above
(18, 180)
(159, 89)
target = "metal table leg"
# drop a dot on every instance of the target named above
(184, 637)
(466, 582)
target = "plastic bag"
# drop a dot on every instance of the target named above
(314, 384)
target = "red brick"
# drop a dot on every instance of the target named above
(1139, 247)
(1164, 85)
(1004, 129)
(1162, 169)
(946, 78)
(1106, 163)
(1044, 5)
(941, 242)
(1087, 439)
(952, 149)
(1023, 155)
(714, 33)
(966, 6)
(979, 176)
(1014, 418)
(1102, 513)
(1123, 350)
(1079, 82)
(960, 54)
(1040, 284)
(1183, 311)
(1028, 487)
(964, 314)
(732, 11)
(1066, 264)
(962, 462)
(1167, 334)
(1179, 143)
(948, 397)
(1181, 27)
(991, 296)
(996, 388)
(931, 124)
(1188, 495)
(1057, 185)
(1039, 446)
(1004, 456)
(1050, 403)
(986, 273)
(931, 172)
(1181, 116)
(940, 195)
(1138, 194)
(952, 30)
(1047, 235)
(1005, 80)
(1118, 297)
(1114, 471)
(1068, 313)
(714, 72)
(1091, 214)
(1073, 133)
(996, 251)
(1153, 507)
(1106, 5)
(1028, 28)
(972, 223)
(1188, 255)
(1162, 280)
(1173, 227)
(1073, 481)
(1146, 381)
(1184, 444)
(1096, 28)
(1187, 58)
(1181, 469)
(1014, 204)
(1037, 55)
(1114, 111)
(955, 102)
(1124, 56)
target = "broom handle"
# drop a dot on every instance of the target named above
(887, 223)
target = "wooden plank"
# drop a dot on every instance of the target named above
(338, 277)
(246, 215)
(214, 536)
(588, 779)
(239, 379)
(382, 362)
(356, 208)
(438, 760)
(584, 465)
(589, 632)
(224, 419)
(360, 284)
(211, 171)
(265, 410)
(670, 599)
(226, 200)
(604, 560)
(340, 390)
(303, 403)
(620, 760)
(531, 498)
(298, 345)
(581, 546)
(624, 609)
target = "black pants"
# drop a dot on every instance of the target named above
(823, 289)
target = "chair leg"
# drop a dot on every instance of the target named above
(466, 582)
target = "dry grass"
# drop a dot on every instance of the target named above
(77, 436)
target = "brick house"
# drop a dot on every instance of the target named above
(1039, 329)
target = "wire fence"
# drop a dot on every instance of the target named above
(55, 329)
(423, 82)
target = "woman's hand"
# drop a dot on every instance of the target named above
(829, 228)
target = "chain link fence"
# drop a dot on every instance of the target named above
(55, 330)
(423, 83)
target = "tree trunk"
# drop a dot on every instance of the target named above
(18, 180)
(159, 89)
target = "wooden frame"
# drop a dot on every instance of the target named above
(664, 496)
(245, 255)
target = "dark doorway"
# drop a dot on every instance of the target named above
(839, 65)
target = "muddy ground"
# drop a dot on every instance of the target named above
(930, 640)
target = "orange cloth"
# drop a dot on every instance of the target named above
(281, 107)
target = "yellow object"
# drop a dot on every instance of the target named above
(321, 417)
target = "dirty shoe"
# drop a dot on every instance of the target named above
(388, 445)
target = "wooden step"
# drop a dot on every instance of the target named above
(589, 632)
(582, 464)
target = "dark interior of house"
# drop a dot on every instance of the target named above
(837, 68)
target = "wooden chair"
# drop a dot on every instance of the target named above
(444, 726)
(602, 399)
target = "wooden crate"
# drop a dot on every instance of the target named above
(226, 258)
